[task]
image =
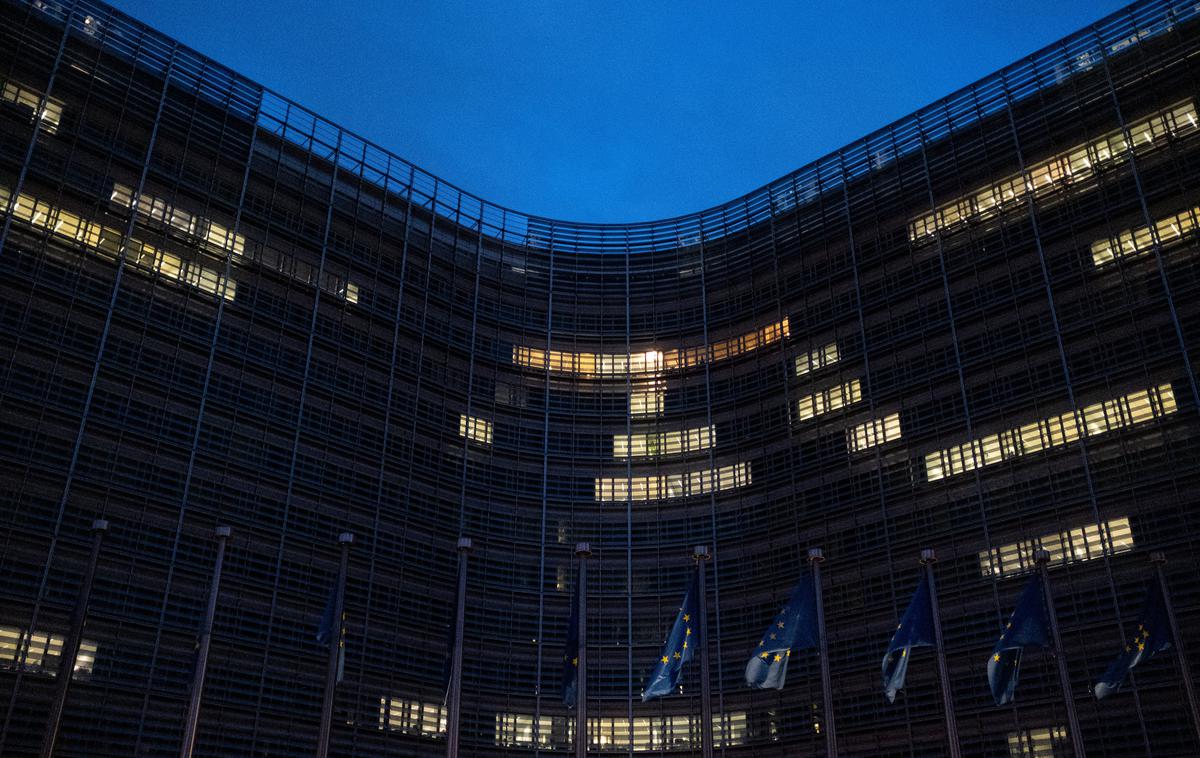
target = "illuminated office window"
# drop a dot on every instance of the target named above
(830, 399)
(106, 242)
(1095, 419)
(877, 431)
(619, 734)
(662, 443)
(44, 652)
(816, 359)
(648, 400)
(1051, 175)
(1048, 742)
(209, 233)
(651, 362)
(477, 429)
(686, 484)
(1139, 240)
(1084, 543)
(48, 116)
(412, 717)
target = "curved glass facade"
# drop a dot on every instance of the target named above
(972, 330)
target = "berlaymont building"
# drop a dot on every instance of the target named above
(232, 332)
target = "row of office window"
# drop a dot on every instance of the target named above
(1057, 172)
(44, 653)
(829, 399)
(474, 428)
(1055, 431)
(48, 115)
(816, 359)
(663, 443)
(1084, 543)
(106, 242)
(647, 400)
(651, 362)
(661, 487)
(1140, 240)
(876, 431)
(678, 732)
(1046, 742)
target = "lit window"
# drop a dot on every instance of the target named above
(412, 717)
(650, 362)
(662, 443)
(619, 734)
(1168, 232)
(816, 359)
(1051, 175)
(106, 242)
(1084, 543)
(877, 431)
(685, 484)
(829, 400)
(1095, 419)
(476, 429)
(1047, 742)
(48, 117)
(44, 652)
(209, 233)
(648, 400)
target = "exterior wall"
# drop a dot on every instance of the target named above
(217, 308)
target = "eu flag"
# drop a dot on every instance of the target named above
(915, 630)
(679, 647)
(331, 627)
(1153, 634)
(570, 672)
(795, 628)
(1028, 627)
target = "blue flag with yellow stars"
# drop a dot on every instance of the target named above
(330, 630)
(795, 628)
(1027, 627)
(679, 647)
(570, 671)
(1153, 635)
(915, 630)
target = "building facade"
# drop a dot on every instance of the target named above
(972, 330)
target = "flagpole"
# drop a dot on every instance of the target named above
(701, 555)
(1158, 558)
(816, 557)
(464, 549)
(221, 533)
(336, 641)
(928, 558)
(1042, 557)
(70, 649)
(583, 551)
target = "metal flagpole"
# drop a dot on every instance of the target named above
(464, 548)
(816, 557)
(70, 650)
(336, 643)
(193, 713)
(1158, 558)
(583, 550)
(1042, 558)
(701, 555)
(928, 558)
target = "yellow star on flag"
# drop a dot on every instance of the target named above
(664, 659)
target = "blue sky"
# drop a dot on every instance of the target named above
(614, 111)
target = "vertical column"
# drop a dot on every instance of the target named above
(583, 551)
(816, 557)
(464, 549)
(928, 558)
(193, 713)
(70, 650)
(701, 555)
(336, 646)
(1042, 558)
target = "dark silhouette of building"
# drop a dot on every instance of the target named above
(972, 330)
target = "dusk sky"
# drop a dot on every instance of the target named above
(617, 111)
